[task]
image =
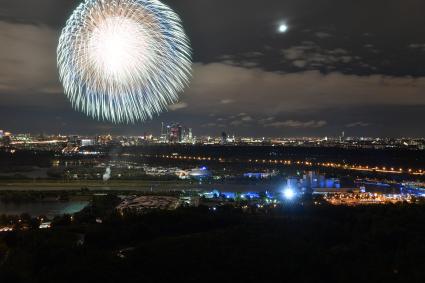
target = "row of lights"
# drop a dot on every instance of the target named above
(383, 169)
(366, 197)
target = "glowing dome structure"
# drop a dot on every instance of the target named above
(200, 173)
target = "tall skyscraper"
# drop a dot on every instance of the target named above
(223, 138)
(176, 133)
(190, 135)
(164, 133)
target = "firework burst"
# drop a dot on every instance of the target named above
(123, 60)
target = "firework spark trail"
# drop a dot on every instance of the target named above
(123, 60)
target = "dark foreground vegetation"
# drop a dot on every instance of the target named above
(292, 244)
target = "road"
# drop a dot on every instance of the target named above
(137, 185)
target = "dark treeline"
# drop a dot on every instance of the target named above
(292, 244)
(11, 196)
(379, 157)
(8, 161)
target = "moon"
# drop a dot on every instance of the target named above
(283, 28)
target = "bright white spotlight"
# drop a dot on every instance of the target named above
(283, 28)
(288, 193)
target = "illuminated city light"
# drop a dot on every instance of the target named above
(287, 162)
(288, 193)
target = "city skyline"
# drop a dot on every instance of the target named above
(296, 68)
(158, 132)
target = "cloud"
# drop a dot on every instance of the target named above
(6, 88)
(240, 119)
(51, 13)
(52, 89)
(226, 101)
(210, 125)
(322, 35)
(417, 46)
(268, 94)
(309, 55)
(300, 63)
(178, 106)
(298, 124)
(266, 120)
(28, 58)
(357, 124)
(28, 73)
(296, 52)
(236, 123)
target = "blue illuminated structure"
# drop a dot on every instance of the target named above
(229, 195)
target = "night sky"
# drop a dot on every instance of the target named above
(342, 65)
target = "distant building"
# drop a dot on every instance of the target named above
(312, 181)
(175, 133)
(73, 140)
(190, 200)
(164, 133)
(210, 195)
(104, 140)
(144, 204)
(200, 173)
(87, 142)
(223, 138)
(187, 135)
(414, 188)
